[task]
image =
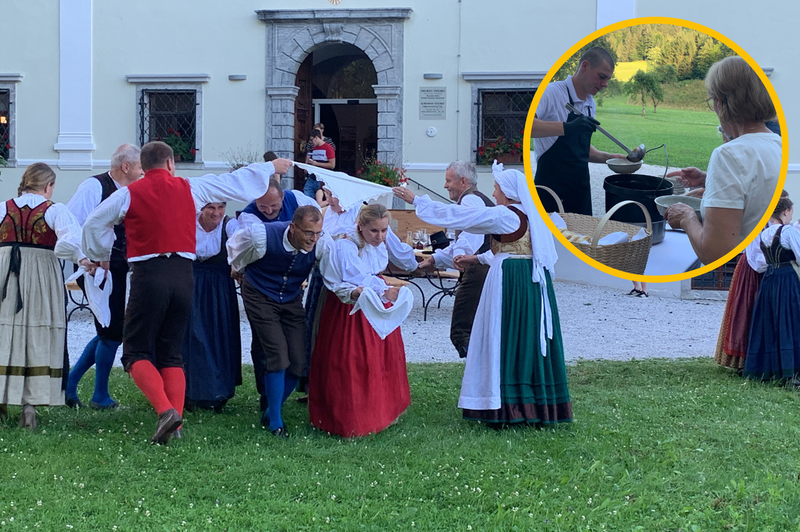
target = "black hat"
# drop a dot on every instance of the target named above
(439, 240)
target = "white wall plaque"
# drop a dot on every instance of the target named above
(432, 103)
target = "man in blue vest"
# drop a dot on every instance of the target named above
(277, 205)
(278, 257)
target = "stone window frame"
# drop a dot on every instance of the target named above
(495, 81)
(8, 82)
(292, 34)
(178, 83)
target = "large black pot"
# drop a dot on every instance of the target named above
(642, 188)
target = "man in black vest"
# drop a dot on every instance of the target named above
(460, 181)
(101, 350)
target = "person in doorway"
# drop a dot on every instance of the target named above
(321, 154)
(562, 139)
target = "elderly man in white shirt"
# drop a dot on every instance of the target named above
(460, 181)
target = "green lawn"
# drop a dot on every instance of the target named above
(690, 136)
(625, 71)
(655, 445)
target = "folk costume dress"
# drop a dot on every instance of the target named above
(773, 351)
(734, 332)
(34, 234)
(358, 383)
(515, 370)
(212, 348)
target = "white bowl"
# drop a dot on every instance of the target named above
(623, 166)
(662, 202)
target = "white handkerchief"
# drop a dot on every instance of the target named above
(640, 235)
(558, 220)
(95, 295)
(384, 320)
(618, 237)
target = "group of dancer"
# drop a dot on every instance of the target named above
(758, 336)
(179, 330)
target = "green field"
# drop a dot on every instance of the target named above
(655, 446)
(625, 71)
(690, 136)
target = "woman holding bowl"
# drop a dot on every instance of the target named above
(742, 174)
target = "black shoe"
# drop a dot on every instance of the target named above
(97, 406)
(303, 399)
(74, 402)
(634, 292)
(643, 294)
(280, 432)
(168, 422)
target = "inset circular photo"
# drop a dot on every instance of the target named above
(657, 150)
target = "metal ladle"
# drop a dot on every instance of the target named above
(633, 156)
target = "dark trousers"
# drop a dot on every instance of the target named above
(468, 294)
(158, 310)
(116, 302)
(278, 329)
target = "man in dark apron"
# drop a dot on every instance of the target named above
(563, 166)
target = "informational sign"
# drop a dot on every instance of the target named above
(432, 103)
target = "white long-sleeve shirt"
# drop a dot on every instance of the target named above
(465, 244)
(59, 219)
(87, 198)
(243, 184)
(790, 239)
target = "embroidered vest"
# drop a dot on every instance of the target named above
(516, 243)
(23, 225)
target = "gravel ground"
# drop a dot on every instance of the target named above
(596, 323)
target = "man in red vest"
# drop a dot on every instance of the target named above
(160, 212)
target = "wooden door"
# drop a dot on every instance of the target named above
(303, 117)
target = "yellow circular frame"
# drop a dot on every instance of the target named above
(784, 157)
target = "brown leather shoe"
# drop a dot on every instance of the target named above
(27, 419)
(168, 422)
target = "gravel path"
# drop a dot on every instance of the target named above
(596, 323)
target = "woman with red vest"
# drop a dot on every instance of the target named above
(159, 212)
(34, 234)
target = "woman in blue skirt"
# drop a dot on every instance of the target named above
(773, 351)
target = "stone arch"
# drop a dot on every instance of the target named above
(293, 34)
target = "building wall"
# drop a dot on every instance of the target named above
(447, 37)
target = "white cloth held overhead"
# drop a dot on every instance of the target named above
(350, 191)
(384, 320)
(97, 293)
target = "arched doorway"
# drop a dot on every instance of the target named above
(335, 84)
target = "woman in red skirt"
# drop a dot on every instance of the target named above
(358, 383)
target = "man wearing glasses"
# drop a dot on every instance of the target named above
(278, 257)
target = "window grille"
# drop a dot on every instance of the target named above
(5, 124)
(170, 116)
(503, 114)
(719, 279)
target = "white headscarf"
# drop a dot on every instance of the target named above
(515, 187)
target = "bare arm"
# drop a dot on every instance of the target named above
(597, 156)
(719, 232)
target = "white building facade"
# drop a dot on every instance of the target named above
(418, 83)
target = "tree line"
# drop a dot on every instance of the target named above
(673, 54)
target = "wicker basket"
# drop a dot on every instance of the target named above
(629, 257)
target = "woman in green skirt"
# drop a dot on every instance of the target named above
(515, 369)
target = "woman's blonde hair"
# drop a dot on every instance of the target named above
(370, 213)
(36, 177)
(740, 95)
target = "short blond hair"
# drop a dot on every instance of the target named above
(740, 94)
(36, 177)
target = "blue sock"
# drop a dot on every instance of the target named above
(289, 384)
(274, 382)
(104, 358)
(83, 364)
